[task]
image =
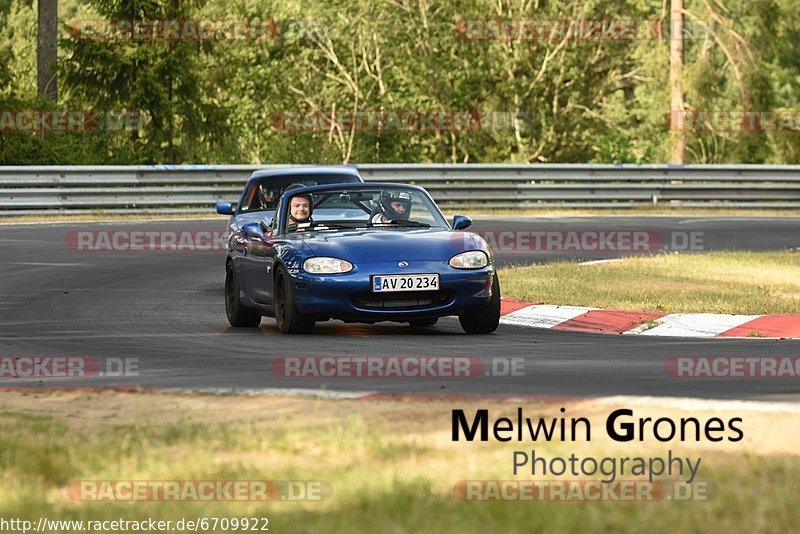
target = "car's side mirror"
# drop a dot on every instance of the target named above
(461, 222)
(253, 231)
(266, 226)
(224, 208)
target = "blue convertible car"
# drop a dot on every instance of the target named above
(360, 253)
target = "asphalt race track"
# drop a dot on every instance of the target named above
(166, 310)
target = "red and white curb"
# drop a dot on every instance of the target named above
(583, 319)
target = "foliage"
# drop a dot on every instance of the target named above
(539, 100)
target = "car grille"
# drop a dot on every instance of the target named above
(405, 300)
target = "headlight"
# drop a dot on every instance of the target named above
(324, 265)
(474, 259)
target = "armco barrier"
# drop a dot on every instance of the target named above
(162, 189)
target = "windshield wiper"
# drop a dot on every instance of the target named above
(398, 222)
(330, 226)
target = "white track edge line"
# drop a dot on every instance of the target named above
(692, 403)
(276, 392)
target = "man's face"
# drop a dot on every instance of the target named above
(300, 208)
(399, 207)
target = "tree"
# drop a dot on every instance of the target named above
(165, 80)
(47, 51)
(676, 78)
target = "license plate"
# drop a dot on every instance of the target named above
(405, 282)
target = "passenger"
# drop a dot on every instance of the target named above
(393, 206)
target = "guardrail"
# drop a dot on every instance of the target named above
(163, 189)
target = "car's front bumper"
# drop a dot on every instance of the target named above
(348, 296)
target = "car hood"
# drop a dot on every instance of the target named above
(390, 244)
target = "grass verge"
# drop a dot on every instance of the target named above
(391, 464)
(108, 217)
(449, 213)
(715, 282)
(631, 212)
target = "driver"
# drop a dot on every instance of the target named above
(300, 209)
(266, 197)
(393, 206)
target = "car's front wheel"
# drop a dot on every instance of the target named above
(290, 321)
(483, 319)
(238, 314)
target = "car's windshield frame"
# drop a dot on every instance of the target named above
(291, 178)
(326, 191)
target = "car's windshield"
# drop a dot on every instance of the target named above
(376, 207)
(263, 193)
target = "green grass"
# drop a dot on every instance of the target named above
(386, 477)
(716, 282)
(632, 212)
(99, 215)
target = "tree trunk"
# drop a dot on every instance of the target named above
(47, 81)
(676, 81)
(171, 128)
